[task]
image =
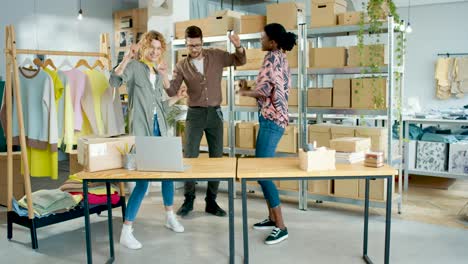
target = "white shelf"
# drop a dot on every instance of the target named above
(335, 31)
(181, 42)
(438, 174)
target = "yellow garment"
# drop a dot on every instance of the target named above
(69, 126)
(58, 85)
(99, 84)
(101, 190)
(150, 64)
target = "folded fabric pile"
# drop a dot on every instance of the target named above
(97, 193)
(46, 202)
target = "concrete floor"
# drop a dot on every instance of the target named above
(324, 234)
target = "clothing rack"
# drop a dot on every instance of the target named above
(452, 54)
(12, 86)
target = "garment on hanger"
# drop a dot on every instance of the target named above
(92, 98)
(460, 80)
(443, 78)
(112, 113)
(39, 112)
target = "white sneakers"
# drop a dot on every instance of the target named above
(128, 240)
(173, 224)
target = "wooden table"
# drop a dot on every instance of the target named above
(201, 169)
(254, 169)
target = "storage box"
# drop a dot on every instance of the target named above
(250, 24)
(254, 59)
(319, 187)
(225, 134)
(351, 144)
(293, 97)
(224, 92)
(371, 55)
(245, 100)
(377, 191)
(341, 131)
(18, 192)
(321, 159)
(74, 166)
(245, 135)
(334, 57)
(346, 188)
(182, 54)
(216, 25)
(289, 185)
(17, 176)
(323, 12)
(97, 154)
(288, 142)
(292, 57)
(350, 18)
(284, 14)
(341, 93)
(458, 158)
(377, 135)
(369, 93)
(431, 156)
(321, 134)
(319, 97)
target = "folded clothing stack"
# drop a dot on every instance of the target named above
(47, 202)
(374, 159)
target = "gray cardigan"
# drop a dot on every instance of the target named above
(143, 99)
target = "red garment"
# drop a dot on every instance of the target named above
(100, 199)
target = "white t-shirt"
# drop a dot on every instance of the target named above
(153, 79)
(198, 65)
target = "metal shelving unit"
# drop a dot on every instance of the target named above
(407, 170)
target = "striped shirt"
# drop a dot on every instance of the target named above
(273, 83)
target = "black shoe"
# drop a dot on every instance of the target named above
(186, 207)
(214, 209)
(265, 224)
(276, 236)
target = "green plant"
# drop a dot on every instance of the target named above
(372, 26)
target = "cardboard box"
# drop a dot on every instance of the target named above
(224, 94)
(293, 97)
(377, 189)
(181, 54)
(371, 55)
(288, 142)
(245, 100)
(98, 154)
(369, 93)
(320, 159)
(203, 141)
(341, 131)
(74, 166)
(334, 57)
(323, 12)
(218, 24)
(341, 93)
(292, 57)
(320, 187)
(458, 158)
(346, 188)
(18, 192)
(319, 97)
(431, 156)
(351, 144)
(377, 135)
(254, 59)
(320, 133)
(284, 14)
(350, 18)
(250, 24)
(17, 176)
(245, 135)
(289, 185)
(225, 134)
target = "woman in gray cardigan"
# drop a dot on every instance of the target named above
(147, 117)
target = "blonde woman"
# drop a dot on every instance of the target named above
(145, 75)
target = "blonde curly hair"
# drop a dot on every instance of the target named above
(145, 42)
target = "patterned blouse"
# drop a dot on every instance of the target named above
(273, 83)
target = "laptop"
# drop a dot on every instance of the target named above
(159, 154)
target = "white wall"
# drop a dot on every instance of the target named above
(53, 24)
(436, 29)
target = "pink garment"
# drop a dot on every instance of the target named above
(100, 199)
(78, 82)
(273, 82)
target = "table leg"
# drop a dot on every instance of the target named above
(231, 221)
(89, 252)
(366, 221)
(245, 221)
(109, 221)
(388, 219)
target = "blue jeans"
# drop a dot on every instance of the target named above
(268, 138)
(139, 191)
